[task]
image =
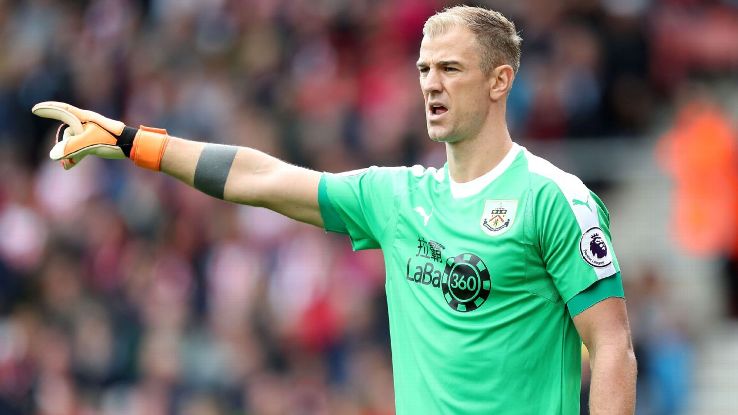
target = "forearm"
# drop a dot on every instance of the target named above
(612, 387)
(246, 176)
(180, 159)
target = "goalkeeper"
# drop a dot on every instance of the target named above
(498, 264)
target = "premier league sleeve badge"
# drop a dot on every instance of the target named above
(594, 249)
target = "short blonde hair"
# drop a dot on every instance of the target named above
(495, 34)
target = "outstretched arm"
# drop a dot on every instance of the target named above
(244, 175)
(237, 174)
(605, 331)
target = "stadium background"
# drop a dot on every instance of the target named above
(125, 292)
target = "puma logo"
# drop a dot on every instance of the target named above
(576, 202)
(426, 216)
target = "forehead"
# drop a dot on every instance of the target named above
(455, 43)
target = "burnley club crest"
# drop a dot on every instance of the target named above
(498, 216)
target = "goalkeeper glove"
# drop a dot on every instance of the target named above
(85, 132)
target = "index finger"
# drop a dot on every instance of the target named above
(68, 114)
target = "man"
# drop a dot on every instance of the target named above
(498, 264)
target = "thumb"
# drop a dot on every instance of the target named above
(62, 136)
(57, 152)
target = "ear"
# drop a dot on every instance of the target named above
(500, 81)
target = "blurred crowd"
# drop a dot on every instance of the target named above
(124, 292)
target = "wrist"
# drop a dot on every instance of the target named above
(144, 146)
(126, 138)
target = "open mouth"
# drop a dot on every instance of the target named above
(437, 109)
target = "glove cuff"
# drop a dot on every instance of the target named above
(148, 147)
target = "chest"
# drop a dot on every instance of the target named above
(465, 251)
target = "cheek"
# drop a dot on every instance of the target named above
(472, 110)
(474, 97)
(475, 104)
(482, 95)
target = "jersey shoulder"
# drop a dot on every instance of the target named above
(415, 177)
(395, 181)
(420, 173)
(549, 180)
(417, 172)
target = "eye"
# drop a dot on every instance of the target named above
(423, 70)
(450, 69)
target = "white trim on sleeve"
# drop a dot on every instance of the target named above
(583, 206)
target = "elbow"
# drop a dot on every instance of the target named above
(628, 359)
(628, 353)
(620, 353)
(625, 358)
(632, 361)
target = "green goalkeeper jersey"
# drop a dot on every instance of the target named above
(478, 277)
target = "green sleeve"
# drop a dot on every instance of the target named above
(600, 290)
(332, 221)
(361, 204)
(574, 235)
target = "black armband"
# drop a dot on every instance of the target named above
(213, 167)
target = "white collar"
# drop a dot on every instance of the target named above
(472, 187)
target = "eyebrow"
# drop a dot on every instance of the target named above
(421, 64)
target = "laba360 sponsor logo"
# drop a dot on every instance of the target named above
(464, 279)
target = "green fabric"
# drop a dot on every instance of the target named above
(477, 283)
(331, 221)
(602, 289)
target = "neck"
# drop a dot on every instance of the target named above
(474, 156)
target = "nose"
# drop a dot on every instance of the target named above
(431, 82)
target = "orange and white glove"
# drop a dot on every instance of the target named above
(84, 133)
